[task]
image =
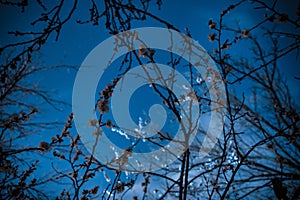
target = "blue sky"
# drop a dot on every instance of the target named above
(76, 41)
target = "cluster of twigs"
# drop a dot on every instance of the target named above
(259, 150)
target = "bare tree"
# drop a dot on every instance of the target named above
(257, 155)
